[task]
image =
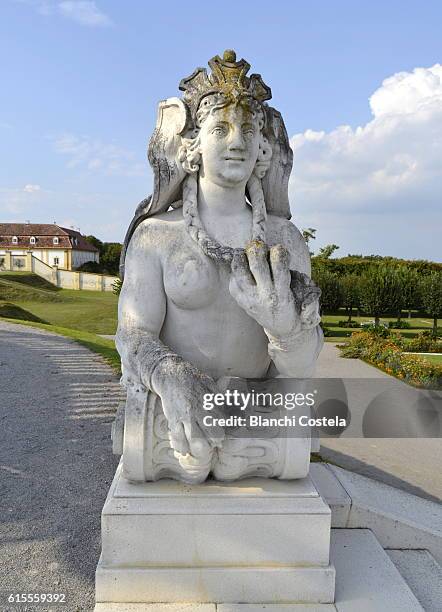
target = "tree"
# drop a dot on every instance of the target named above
(110, 256)
(380, 291)
(331, 290)
(350, 293)
(95, 241)
(431, 295)
(309, 234)
(408, 295)
(327, 251)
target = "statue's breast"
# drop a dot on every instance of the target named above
(191, 280)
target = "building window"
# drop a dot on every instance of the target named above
(55, 241)
(56, 261)
(32, 240)
(14, 240)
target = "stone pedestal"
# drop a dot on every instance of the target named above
(252, 541)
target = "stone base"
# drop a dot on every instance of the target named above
(252, 541)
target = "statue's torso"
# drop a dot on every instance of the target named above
(203, 323)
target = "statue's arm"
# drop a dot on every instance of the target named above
(295, 355)
(141, 311)
(149, 363)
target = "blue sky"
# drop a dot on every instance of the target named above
(82, 81)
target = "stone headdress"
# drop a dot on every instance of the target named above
(177, 119)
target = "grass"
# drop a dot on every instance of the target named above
(36, 299)
(17, 290)
(434, 359)
(28, 299)
(418, 323)
(101, 346)
(28, 279)
(12, 311)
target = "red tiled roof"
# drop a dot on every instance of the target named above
(44, 234)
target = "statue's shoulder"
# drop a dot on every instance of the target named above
(159, 229)
(283, 231)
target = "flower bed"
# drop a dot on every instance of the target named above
(387, 354)
(424, 342)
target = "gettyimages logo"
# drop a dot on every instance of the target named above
(279, 408)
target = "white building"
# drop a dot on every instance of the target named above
(52, 244)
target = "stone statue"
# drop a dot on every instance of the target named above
(216, 283)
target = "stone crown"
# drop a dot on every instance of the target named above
(228, 77)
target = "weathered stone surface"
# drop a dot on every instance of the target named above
(252, 522)
(217, 287)
(215, 291)
(256, 540)
(368, 580)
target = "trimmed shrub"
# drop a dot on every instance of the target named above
(431, 295)
(331, 290)
(380, 330)
(399, 325)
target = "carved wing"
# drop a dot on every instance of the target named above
(172, 120)
(275, 183)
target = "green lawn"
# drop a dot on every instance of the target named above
(434, 359)
(418, 324)
(91, 311)
(27, 296)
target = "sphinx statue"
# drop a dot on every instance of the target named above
(217, 284)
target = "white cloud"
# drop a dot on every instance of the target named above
(84, 12)
(94, 155)
(31, 188)
(20, 199)
(362, 186)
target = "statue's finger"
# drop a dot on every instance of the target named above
(279, 261)
(240, 292)
(256, 252)
(199, 447)
(241, 272)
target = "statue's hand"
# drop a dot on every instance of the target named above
(181, 388)
(261, 286)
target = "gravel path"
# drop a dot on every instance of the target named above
(57, 400)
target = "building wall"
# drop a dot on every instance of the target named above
(53, 255)
(67, 279)
(81, 257)
(67, 259)
(14, 252)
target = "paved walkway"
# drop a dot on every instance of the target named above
(413, 465)
(57, 401)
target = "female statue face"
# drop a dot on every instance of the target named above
(229, 145)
